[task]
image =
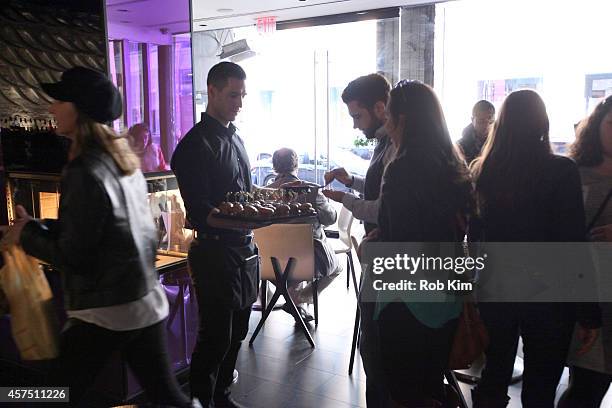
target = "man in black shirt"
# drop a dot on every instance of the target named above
(209, 162)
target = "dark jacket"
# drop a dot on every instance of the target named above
(104, 240)
(209, 162)
(419, 201)
(552, 211)
(419, 204)
(469, 144)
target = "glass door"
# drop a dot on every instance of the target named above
(294, 85)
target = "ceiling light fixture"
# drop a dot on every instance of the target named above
(225, 10)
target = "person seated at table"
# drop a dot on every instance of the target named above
(151, 156)
(327, 267)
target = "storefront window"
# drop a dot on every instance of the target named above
(485, 50)
(151, 65)
(294, 86)
(183, 86)
(153, 78)
(135, 84)
(115, 52)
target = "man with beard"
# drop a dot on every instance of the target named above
(366, 98)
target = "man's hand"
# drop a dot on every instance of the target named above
(334, 195)
(12, 234)
(587, 338)
(603, 233)
(339, 174)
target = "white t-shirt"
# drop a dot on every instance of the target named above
(146, 311)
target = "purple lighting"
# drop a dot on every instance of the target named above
(151, 65)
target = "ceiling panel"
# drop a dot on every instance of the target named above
(215, 14)
(150, 14)
(173, 15)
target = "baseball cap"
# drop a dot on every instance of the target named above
(91, 92)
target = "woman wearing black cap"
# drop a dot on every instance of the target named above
(104, 244)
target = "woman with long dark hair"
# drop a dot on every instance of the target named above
(591, 373)
(426, 193)
(104, 246)
(527, 194)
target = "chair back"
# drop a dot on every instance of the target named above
(356, 246)
(345, 221)
(284, 241)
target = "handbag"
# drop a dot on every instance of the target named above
(34, 324)
(471, 338)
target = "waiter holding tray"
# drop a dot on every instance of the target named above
(209, 162)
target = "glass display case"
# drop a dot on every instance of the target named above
(168, 212)
(39, 193)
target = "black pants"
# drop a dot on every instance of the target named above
(546, 330)
(221, 331)
(587, 388)
(377, 395)
(414, 356)
(85, 348)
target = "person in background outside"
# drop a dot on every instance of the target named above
(475, 134)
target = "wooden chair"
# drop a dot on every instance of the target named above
(290, 245)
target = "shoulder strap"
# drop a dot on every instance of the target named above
(601, 209)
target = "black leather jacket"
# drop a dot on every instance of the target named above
(104, 241)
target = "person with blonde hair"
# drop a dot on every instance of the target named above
(104, 245)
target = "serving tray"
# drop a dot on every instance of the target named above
(283, 219)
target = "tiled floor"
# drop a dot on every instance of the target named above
(281, 370)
